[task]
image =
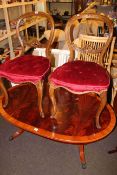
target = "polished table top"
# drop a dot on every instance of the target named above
(76, 115)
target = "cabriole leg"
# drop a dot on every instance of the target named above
(53, 100)
(103, 97)
(39, 87)
(5, 93)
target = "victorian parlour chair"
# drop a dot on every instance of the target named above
(28, 68)
(87, 70)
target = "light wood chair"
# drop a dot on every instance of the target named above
(95, 44)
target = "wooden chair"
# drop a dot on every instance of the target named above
(88, 73)
(28, 68)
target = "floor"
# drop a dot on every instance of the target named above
(31, 154)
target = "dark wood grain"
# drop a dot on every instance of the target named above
(75, 115)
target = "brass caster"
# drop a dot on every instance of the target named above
(84, 165)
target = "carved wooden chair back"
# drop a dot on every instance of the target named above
(31, 38)
(91, 48)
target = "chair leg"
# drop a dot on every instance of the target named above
(5, 93)
(103, 97)
(53, 100)
(39, 87)
(16, 134)
(113, 95)
(82, 156)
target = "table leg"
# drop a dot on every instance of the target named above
(82, 156)
(16, 134)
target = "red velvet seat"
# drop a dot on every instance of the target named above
(81, 76)
(29, 68)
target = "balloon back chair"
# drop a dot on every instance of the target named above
(28, 68)
(87, 68)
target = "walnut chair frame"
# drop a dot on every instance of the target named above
(92, 49)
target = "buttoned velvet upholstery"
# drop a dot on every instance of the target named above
(81, 76)
(27, 68)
